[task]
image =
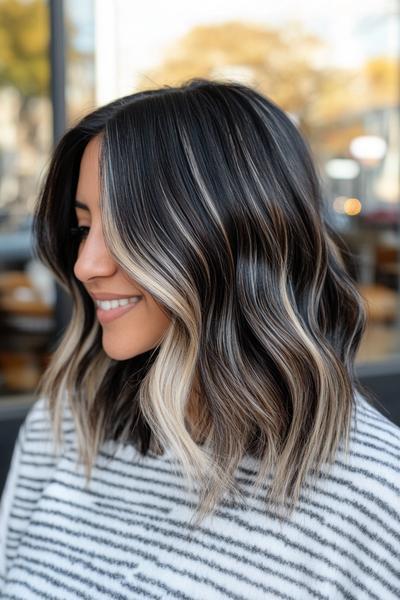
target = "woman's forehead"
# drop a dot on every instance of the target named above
(88, 188)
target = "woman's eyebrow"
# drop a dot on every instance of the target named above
(81, 205)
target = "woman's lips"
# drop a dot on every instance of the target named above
(105, 316)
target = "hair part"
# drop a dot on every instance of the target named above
(211, 202)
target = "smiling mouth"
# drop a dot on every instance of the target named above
(115, 302)
(105, 315)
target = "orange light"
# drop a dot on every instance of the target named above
(352, 206)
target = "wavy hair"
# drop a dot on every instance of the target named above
(211, 202)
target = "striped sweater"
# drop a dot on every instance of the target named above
(125, 536)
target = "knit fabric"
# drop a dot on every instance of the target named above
(126, 535)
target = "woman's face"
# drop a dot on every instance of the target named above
(130, 329)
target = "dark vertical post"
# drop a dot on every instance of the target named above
(57, 87)
(57, 67)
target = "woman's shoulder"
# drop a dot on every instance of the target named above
(368, 475)
(373, 430)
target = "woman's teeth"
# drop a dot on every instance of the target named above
(109, 304)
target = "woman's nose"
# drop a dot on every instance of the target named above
(94, 258)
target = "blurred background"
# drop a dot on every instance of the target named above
(336, 73)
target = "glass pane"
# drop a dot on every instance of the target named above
(25, 142)
(79, 25)
(27, 289)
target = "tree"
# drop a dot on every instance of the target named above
(24, 41)
(288, 65)
(283, 63)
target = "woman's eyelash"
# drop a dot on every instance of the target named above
(79, 232)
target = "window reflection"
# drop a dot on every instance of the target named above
(27, 289)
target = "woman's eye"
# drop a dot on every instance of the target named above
(79, 232)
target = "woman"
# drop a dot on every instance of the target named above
(200, 431)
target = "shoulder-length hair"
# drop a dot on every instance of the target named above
(210, 201)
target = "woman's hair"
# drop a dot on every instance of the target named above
(211, 203)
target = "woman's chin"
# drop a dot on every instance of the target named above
(117, 353)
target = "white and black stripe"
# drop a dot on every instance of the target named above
(126, 535)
